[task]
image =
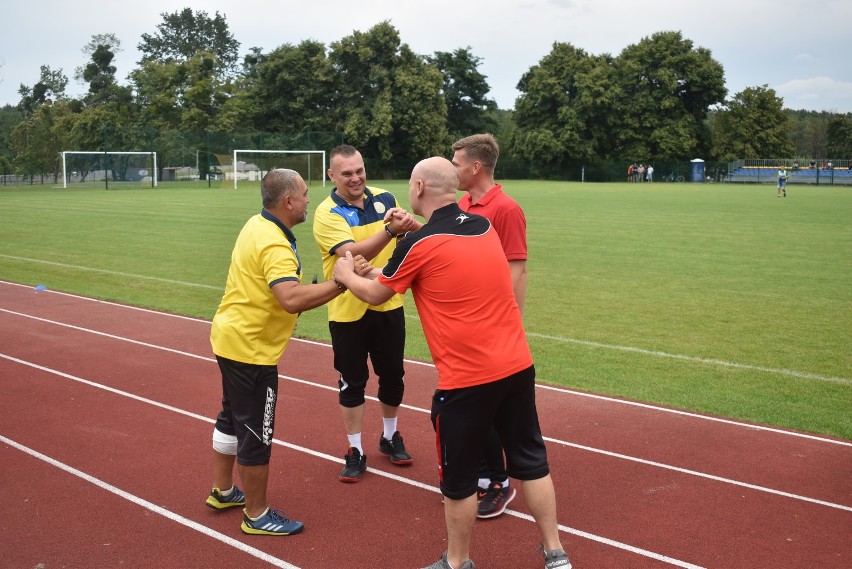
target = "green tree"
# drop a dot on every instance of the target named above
(465, 92)
(667, 87)
(389, 100)
(99, 73)
(38, 140)
(185, 95)
(50, 86)
(181, 35)
(293, 89)
(753, 125)
(564, 111)
(839, 144)
(420, 112)
(10, 116)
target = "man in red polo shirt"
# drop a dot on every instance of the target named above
(459, 278)
(475, 158)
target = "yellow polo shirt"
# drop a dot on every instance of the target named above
(250, 326)
(336, 223)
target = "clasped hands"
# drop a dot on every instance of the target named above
(399, 221)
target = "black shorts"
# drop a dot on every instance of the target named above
(249, 393)
(462, 419)
(379, 335)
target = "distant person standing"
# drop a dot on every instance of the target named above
(475, 158)
(250, 331)
(782, 181)
(649, 173)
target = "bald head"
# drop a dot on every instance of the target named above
(432, 185)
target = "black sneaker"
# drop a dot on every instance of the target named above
(356, 464)
(495, 501)
(395, 449)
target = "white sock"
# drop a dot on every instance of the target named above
(484, 482)
(228, 491)
(390, 427)
(355, 441)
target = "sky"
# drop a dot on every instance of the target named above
(800, 48)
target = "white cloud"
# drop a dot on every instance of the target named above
(817, 93)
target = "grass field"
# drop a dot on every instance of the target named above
(717, 298)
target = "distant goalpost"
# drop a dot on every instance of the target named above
(310, 164)
(148, 170)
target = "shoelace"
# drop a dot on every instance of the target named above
(353, 459)
(278, 516)
(396, 442)
(493, 493)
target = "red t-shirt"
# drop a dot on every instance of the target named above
(459, 277)
(506, 216)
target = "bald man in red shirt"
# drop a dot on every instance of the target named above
(460, 280)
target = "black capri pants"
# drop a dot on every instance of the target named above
(379, 335)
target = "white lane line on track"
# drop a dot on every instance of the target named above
(334, 459)
(421, 410)
(561, 390)
(418, 409)
(262, 555)
(311, 452)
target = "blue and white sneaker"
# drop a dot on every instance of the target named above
(219, 501)
(271, 522)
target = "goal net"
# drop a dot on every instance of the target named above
(109, 168)
(250, 166)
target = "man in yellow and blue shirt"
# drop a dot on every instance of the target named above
(353, 218)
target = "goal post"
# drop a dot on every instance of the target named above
(254, 164)
(103, 166)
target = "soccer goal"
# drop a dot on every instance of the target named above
(250, 166)
(81, 167)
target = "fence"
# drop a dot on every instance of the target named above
(805, 171)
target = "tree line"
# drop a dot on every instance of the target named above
(660, 99)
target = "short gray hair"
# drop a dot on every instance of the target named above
(276, 184)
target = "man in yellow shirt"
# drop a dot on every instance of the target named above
(252, 327)
(352, 218)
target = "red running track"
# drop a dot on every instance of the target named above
(105, 449)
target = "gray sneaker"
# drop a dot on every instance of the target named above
(443, 564)
(555, 558)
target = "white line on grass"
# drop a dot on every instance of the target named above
(711, 361)
(588, 343)
(108, 272)
(262, 555)
(311, 452)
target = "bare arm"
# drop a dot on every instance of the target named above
(295, 297)
(519, 282)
